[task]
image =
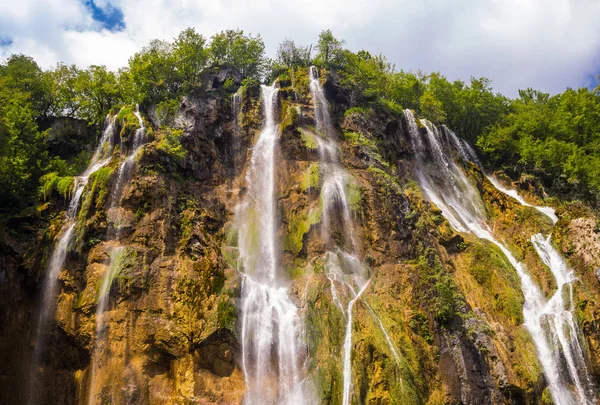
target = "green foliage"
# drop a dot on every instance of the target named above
(420, 325)
(169, 143)
(226, 314)
(290, 55)
(330, 51)
(244, 52)
(52, 182)
(311, 177)
(555, 137)
(431, 108)
(166, 111)
(439, 291)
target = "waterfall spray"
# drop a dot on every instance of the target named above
(269, 319)
(100, 158)
(444, 183)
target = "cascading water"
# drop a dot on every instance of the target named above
(269, 318)
(343, 266)
(116, 256)
(124, 176)
(560, 324)
(100, 158)
(236, 112)
(125, 169)
(445, 185)
(547, 211)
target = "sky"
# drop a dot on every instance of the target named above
(545, 44)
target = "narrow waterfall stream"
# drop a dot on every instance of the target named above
(344, 268)
(550, 323)
(124, 175)
(100, 158)
(125, 171)
(116, 256)
(270, 325)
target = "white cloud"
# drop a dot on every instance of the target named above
(545, 44)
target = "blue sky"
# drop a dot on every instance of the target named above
(545, 44)
(109, 16)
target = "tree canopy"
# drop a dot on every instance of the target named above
(557, 138)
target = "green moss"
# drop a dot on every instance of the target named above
(438, 290)
(52, 182)
(360, 140)
(420, 325)
(354, 194)
(226, 314)
(311, 177)
(170, 144)
(309, 138)
(298, 225)
(289, 115)
(357, 110)
(125, 111)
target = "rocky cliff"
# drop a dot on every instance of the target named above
(441, 320)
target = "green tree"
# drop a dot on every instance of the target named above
(244, 52)
(431, 108)
(291, 55)
(152, 74)
(330, 51)
(190, 57)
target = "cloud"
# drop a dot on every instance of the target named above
(545, 44)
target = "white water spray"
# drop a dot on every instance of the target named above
(100, 158)
(547, 211)
(547, 321)
(116, 257)
(125, 169)
(270, 324)
(342, 263)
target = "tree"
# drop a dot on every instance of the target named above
(63, 90)
(151, 71)
(22, 74)
(431, 108)
(97, 91)
(330, 50)
(190, 56)
(246, 53)
(291, 55)
(19, 135)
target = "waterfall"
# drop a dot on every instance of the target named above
(125, 169)
(547, 211)
(342, 263)
(269, 318)
(116, 257)
(100, 158)
(560, 323)
(444, 183)
(236, 111)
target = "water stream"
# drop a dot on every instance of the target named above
(270, 331)
(125, 171)
(345, 271)
(100, 158)
(116, 257)
(551, 323)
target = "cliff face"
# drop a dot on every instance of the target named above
(440, 321)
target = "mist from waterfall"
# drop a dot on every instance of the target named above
(550, 322)
(101, 157)
(98, 352)
(345, 271)
(124, 173)
(270, 326)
